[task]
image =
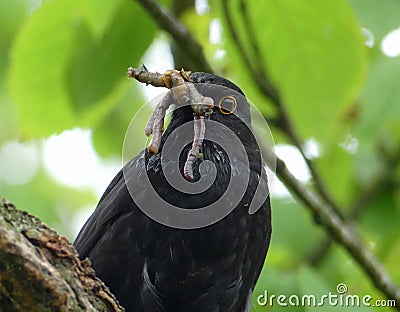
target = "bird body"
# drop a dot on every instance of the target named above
(151, 266)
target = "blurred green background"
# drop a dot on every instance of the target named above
(65, 104)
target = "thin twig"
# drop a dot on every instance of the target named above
(182, 88)
(319, 185)
(250, 33)
(143, 75)
(390, 160)
(180, 34)
(267, 88)
(360, 204)
(339, 230)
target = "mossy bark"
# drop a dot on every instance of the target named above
(40, 270)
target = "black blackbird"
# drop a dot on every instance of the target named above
(153, 267)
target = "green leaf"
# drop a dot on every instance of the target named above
(108, 135)
(274, 282)
(39, 58)
(379, 101)
(380, 221)
(377, 123)
(99, 16)
(335, 165)
(66, 71)
(368, 164)
(199, 27)
(53, 203)
(233, 68)
(392, 260)
(289, 221)
(9, 128)
(339, 267)
(98, 66)
(379, 17)
(313, 286)
(315, 55)
(12, 14)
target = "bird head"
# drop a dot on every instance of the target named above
(208, 152)
(230, 104)
(230, 114)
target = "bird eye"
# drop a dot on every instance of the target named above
(227, 105)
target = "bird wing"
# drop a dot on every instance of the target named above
(107, 211)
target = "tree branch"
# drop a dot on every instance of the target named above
(381, 182)
(339, 230)
(330, 220)
(40, 270)
(179, 57)
(268, 89)
(180, 34)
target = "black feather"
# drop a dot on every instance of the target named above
(152, 267)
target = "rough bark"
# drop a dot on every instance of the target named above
(40, 269)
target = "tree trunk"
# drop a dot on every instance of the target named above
(40, 270)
